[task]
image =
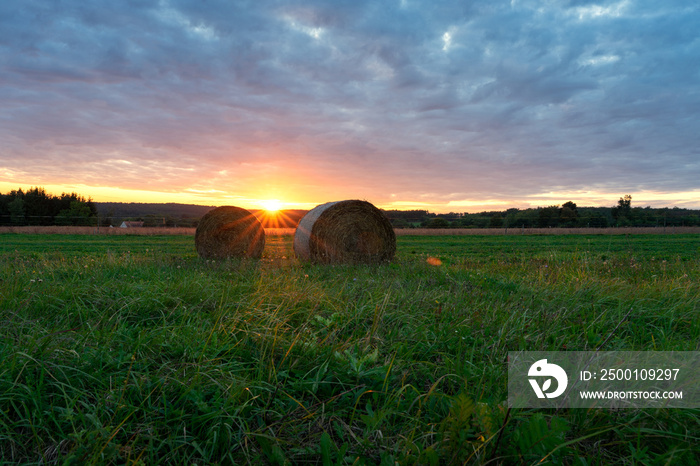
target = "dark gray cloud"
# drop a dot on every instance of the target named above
(393, 101)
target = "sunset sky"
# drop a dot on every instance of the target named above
(457, 106)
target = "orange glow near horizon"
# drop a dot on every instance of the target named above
(269, 197)
(207, 197)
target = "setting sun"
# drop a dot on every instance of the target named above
(272, 205)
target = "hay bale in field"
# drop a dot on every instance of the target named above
(229, 232)
(345, 231)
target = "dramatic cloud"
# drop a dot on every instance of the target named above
(413, 102)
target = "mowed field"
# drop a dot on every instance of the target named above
(122, 349)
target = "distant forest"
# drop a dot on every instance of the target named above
(36, 207)
(568, 215)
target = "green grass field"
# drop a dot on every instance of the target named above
(132, 350)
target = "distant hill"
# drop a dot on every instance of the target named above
(142, 209)
(185, 214)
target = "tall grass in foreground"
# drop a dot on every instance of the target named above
(133, 350)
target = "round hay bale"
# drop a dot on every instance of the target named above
(229, 232)
(345, 232)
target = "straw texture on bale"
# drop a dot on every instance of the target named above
(229, 231)
(345, 232)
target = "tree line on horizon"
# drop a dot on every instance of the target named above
(36, 207)
(568, 215)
